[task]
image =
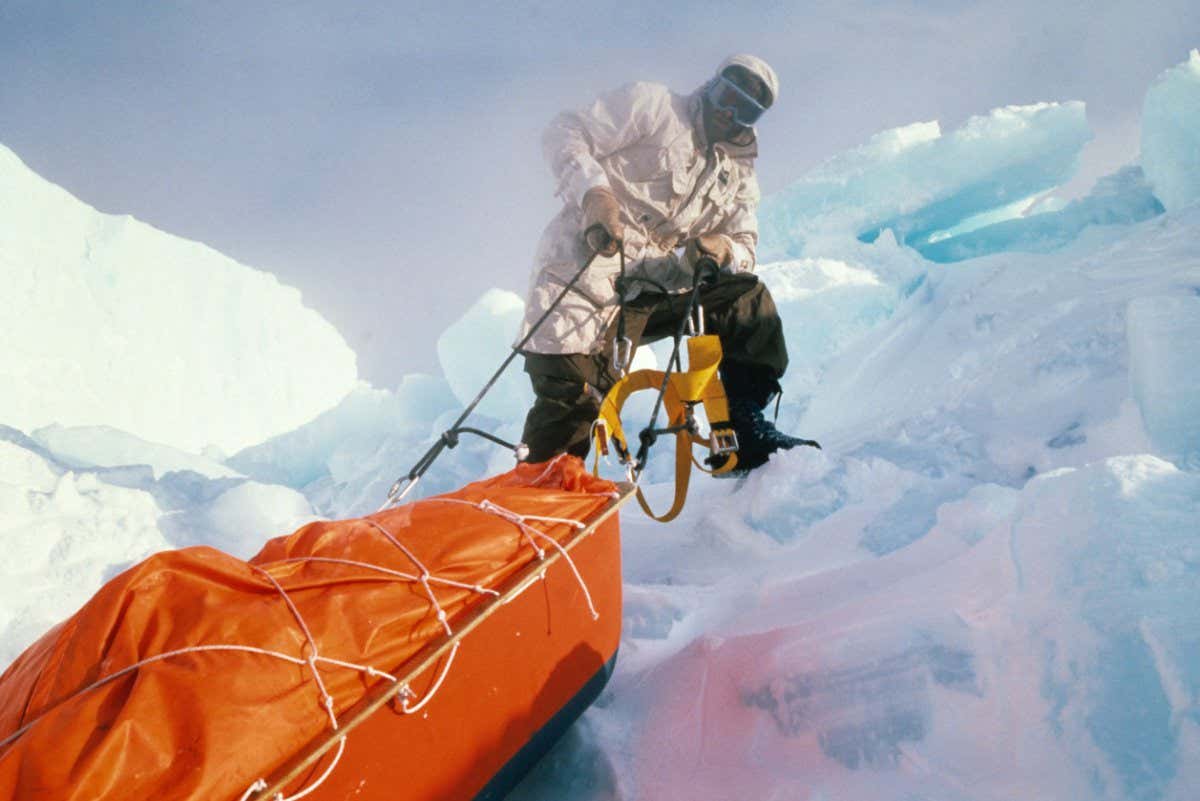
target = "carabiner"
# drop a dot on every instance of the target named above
(401, 488)
(622, 355)
(695, 323)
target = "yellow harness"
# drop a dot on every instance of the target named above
(683, 391)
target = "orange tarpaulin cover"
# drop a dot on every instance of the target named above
(208, 723)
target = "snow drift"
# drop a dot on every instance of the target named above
(111, 322)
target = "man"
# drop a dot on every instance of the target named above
(654, 173)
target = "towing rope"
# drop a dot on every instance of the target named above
(310, 655)
(449, 438)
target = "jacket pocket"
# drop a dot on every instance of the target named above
(681, 161)
(724, 189)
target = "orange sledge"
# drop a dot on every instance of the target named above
(430, 651)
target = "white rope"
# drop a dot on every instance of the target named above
(370, 671)
(526, 530)
(326, 698)
(398, 574)
(578, 577)
(257, 787)
(404, 693)
(158, 658)
(424, 577)
(530, 532)
(328, 771)
(516, 519)
(566, 521)
(550, 465)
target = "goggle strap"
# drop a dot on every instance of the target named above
(756, 109)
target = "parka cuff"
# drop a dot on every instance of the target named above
(582, 175)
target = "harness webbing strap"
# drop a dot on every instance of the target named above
(683, 390)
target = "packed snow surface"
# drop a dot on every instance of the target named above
(108, 321)
(986, 587)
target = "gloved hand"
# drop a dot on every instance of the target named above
(602, 226)
(717, 247)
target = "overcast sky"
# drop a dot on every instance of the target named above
(384, 159)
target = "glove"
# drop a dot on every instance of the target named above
(717, 247)
(602, 226)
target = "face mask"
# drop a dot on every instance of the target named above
(726, 95)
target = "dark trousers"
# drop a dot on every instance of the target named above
(570, 386)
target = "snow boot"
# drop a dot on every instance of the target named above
(758, 437)
(749, 389)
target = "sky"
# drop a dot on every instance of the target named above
(384, 157)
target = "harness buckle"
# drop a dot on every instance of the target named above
(722, 441)
(622, 354)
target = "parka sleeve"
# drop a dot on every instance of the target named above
(576, 142)
(741, 225)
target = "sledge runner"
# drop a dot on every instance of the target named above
(669, 179)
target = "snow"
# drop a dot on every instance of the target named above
(105, 446)
(1028, 645)
(241, 518)
(985, 587)
(1164, 348)
(1171, 134)
(64, 534)
(824, 303)
(1117, 199)
(68, 528)
(920, 183)
(472, 347)
(110, 322)
(347, 457)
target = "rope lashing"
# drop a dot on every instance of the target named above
(333, 763)
(529, 532)
(258, 786)
(404, 693)
(311, 657)
(440, 613)
(396, 573)
(314, 654)
(150, 660)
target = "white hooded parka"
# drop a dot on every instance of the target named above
(647, 145)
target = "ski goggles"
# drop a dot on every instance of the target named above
(726, 95)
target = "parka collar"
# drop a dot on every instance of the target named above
(747, 150)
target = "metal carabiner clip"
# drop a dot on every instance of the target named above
(402, 487)
(622, 355)
(695, 327)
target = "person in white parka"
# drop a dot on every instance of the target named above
(669, 179)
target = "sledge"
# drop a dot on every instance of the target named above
(433, 650)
